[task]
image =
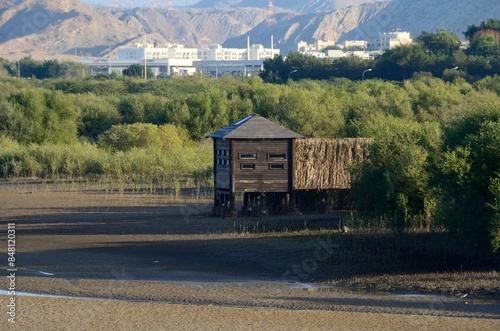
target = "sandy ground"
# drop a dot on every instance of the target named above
(76, 314)
(130, 262)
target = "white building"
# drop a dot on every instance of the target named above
(354, 43)
(211, 53)
(338, 53)
(175, 59)
(389, 40)
(318, 46)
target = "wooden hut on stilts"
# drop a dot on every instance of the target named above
(261, 159)
(253, 156)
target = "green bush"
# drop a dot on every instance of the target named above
(124, 137)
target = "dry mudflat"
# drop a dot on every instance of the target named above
(105, 261)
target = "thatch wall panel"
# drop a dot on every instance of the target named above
(324, 163)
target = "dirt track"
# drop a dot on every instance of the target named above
(159, 255)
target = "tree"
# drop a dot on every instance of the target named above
(273, 68)
(137, 70)
(402, 62)
(394, 182)
(124, 137)
(478, 66)
(39, 116)
(351, 67)
(51, 69)
(278, 70)
(41, 70)
(491, 24)
(442, 42)
(469, 179)
(98, 114)
(355, 48)
(485, 46)
(29, 67)
(332, 47)
(484, 39)
(7, 68)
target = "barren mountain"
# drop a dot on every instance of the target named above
(73, 28)
(294, 5)
(68, 26)
(308, 27)
(53, 27)
(427, 15)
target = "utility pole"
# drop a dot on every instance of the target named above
(145, 58)
(109, 59)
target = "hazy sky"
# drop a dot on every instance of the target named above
(138, 3)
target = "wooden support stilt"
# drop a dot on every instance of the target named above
(293, 210)
(293, 203)
(262, 204)
(244, 209)
(325, 206)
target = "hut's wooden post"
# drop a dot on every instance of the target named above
(218, 206)
(293, 211)
(281, 202)
(245, 203)
(262, 200)
(250, 208)
(326, 206)
(293, 204)
(232, 200)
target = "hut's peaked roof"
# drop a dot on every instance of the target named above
(254, 127)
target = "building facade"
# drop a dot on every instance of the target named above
(389, 40)
(213, 52)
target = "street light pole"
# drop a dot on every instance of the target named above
(109, 59)
(145, 57)
(363, 75)
(291, 72)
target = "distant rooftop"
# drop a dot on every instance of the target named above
(254, 127)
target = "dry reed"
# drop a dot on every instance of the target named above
(325, 163)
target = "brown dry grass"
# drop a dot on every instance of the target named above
(483, 284)
(324, 163)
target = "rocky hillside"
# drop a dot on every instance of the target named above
(427, 15)
(70, 27)
(307, 27)
(310, 6)
(294, 5)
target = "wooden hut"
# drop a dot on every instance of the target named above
(255, 156)
(252, 156)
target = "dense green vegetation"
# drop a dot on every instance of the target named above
(434, 161)
(436, 54)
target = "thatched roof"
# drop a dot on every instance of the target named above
(254, 127)
(325, 163)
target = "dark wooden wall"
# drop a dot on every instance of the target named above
(268, 172)
(222, 164)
